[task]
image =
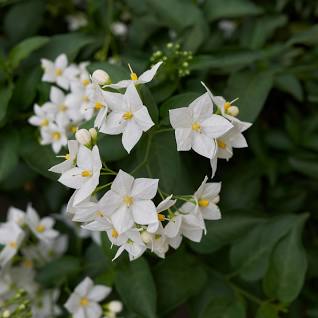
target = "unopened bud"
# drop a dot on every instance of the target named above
(146, 237)
(233, 111)
(93, 133)
(83, 137)
(101, 77)
(6, 314)
(115, 306)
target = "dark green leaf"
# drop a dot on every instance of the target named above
(267, 311)
(111, 147)
(5, 96)
(290, 84)
(224, 308)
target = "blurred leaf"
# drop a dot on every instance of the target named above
(9, 154)
(24, 49)
(5, 95)
(305, 165)
(252, 88)
(59, 271)
(267, 311)
(111, 147)
(225, 231)
(224, 308)
(250, 255)
(173, 282)
(290, 84)
(149, 102)
(136, 287)
(216, 9)
(308, 37)
(286, 273)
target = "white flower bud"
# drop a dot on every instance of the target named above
(93, 133)
(83, 137)
(233, 111)
(146, 237)
(101, 77)
(115, 306)
(119, 28)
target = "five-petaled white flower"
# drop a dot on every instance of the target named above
(129, 201)
(84, 301)
(145, 77)
(197, 127)
(85, 176)
(129, 116)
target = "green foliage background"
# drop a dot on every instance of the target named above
(261, 259)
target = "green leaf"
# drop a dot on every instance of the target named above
(306, 165)
(290, 84)
(39, 158)
(149, 102)
(24, 49)
(252, 88)
(178, 278)
(216, 9)
(9, 154)
(111, 147)
(5, 96)
(224, 308)
(286, 273)
(250, 255)
(136, 287)
(267, 311)
(225, 231)
(308, 37)
(59, 271)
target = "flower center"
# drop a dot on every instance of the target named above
(84, 301)
(114, 233)
(128, 200)
(62, 108)
(67, 156)
(128, 115)
(196, 127)
(161, 217)
(98, 105)
(28, 263)
(56, 135)
(133, 76)
(203, 202)
(85, 99)
(221, 144)
(58, 71)
(13, 244)
(85, 82)
(86, 173)
(227, 105)
(40, 228)
(44, 122)
(73, 129)
(100, 214)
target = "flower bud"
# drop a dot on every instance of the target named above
(233, 111)
(101, 77)
(93, 133)
(83, 137)
(115, 306)
(146, 237)
(119, 28)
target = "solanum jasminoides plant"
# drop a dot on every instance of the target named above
(121, 124)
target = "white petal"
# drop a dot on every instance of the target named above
(61, 61)
(201, 107)
(72, 178)
(114, 101)
(211, 212)
(214, 162)
(172, 229)
(84, 158)
(183, 138)
(114, 124)
(203, 145)
(122, 219)
(98, 293)
(56, 95)
(144, 188)
(144, 212)
(94, 310)
(148, 75)
(131, 135)
(123, 183)
(143, 118)
(86, 189)
(120, 84)
(215, 126)
(84, 287)
(180, 117)
(132, 98)
(166, 204)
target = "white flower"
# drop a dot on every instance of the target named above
(84, 301)
(196, 127)
(129, 201)
(11, 236)
(115, 306)
(84, 177)
(145, 77)
(83, 137)
(101, 77)
(55, 135)
(119, 28)
(70, 158)
(58, 72)
(76, 21)
(44, 304)
(129, 117)
(43, 115)
(16, 215)
(41, 228)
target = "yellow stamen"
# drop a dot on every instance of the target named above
(161, 217)
(73, 129)
(40, 228)
(62, 108)
(98, 105)
(99, 214)
(85, 82)
(58, 71)
(56, 135)
(13, 244)
(196, 127)
(84, 301)
(86, 173)
(203, 202)
(27, 263)
(227, 105)
(85, 99)
(128, 200)
(67, 156)
(44, 122)
(221, 144)
(114, 233)
(133, 76)
(128, 115)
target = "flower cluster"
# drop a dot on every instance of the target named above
(85, 299)
(28, 242)
(127, 212)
